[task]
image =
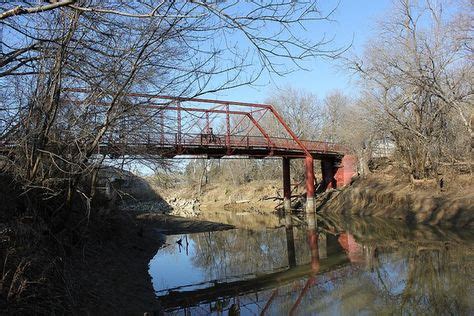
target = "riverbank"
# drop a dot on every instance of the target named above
(106, 273)
(386, 195)
(107, 270)
(114, 273)
(258, 197)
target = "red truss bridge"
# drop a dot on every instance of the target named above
(167, 127)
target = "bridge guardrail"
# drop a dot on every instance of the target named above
(221, 141)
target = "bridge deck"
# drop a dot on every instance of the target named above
(216, 146)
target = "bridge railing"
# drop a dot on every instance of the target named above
(172, 120)
(218, 141)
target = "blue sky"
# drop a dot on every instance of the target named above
(354, 22)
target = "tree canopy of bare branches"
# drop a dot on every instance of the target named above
(50, 135)
(417, 74)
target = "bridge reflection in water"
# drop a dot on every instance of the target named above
(300, 268)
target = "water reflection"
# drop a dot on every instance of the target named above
(325, 266)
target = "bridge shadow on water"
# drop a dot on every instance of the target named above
(330, 265)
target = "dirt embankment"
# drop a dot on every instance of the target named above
(387, 195)
(144, 195)
(104, 274)
(261, 196)
(113, 276)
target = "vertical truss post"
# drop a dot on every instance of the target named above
(178, 106)
(309, 171)
(207, 123)
(227, 121)
(286, 184)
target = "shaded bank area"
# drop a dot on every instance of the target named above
(114, 274)
(106, 272)
(388, 196)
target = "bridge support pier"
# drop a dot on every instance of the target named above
(309, 171)
(313, 239)
(286, 184)
(338, 173)
(328, 169)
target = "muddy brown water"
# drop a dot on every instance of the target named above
(323, 266)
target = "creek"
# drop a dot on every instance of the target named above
(312, 265)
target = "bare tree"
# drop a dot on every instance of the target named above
(51, 134)
(301, 110)
(336, 105)
(418, 75)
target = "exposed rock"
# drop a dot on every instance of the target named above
(174, 206)
(184, 207)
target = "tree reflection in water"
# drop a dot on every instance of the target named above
(337, 266)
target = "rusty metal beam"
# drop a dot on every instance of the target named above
(286, 184)
(288, 129)
(270, 143)
(309, 171)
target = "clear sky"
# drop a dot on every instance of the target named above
(354, 23)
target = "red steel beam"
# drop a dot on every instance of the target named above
(288, 129)
(162, 127)
(286, 184)
(309, 170)
(254, 125)
(212, 110)
(173, 108)
(187, 109)
(227, 123)
(261, 130)
(179, 122)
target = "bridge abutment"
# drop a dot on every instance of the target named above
(338, 173)
(347, 168)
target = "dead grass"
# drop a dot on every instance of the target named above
(388, 194)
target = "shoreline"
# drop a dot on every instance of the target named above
(112, 277)
(384, 197)
(109, 268)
